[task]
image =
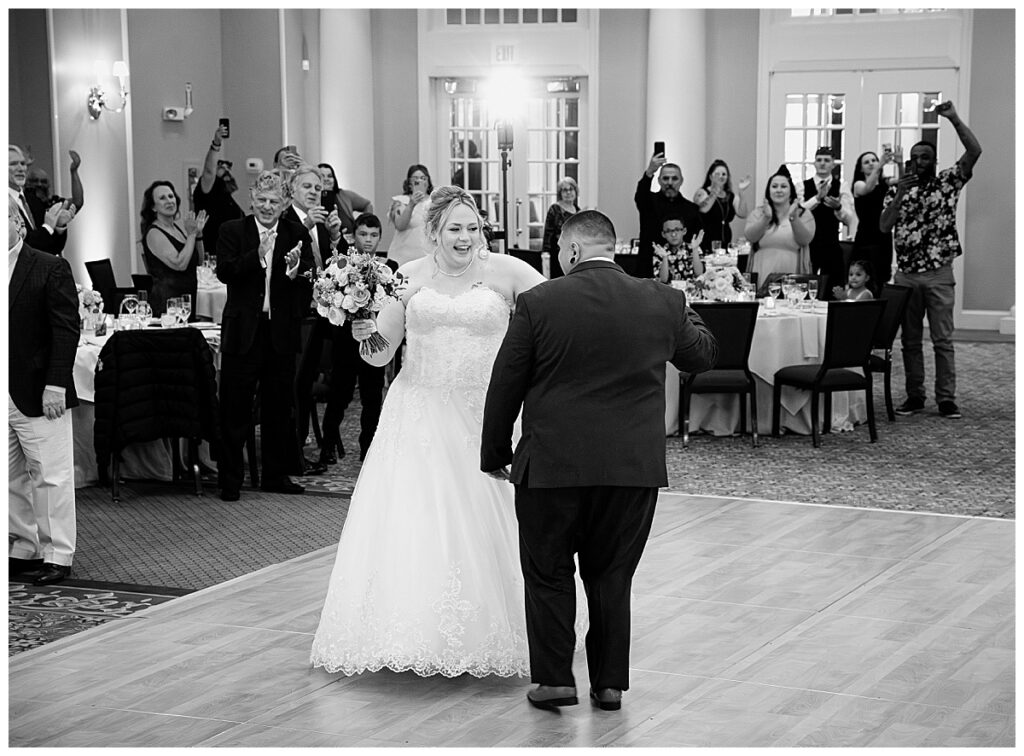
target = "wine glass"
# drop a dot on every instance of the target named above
(774, 288)
(186, 306)
(812, 291)
(801, 293)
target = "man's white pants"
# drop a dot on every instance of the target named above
(41, 487)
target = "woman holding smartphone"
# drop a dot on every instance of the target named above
(408, 215)
(869, 188)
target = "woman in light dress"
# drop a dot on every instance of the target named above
(782, 229)
(408, 214)
(427, 576)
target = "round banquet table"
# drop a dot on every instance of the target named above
(147, 461)
(787, 338)
(210, 300)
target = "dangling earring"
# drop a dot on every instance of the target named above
(483, 253)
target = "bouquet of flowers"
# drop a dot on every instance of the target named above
(89, 302)
(720, 283)
(356, 288)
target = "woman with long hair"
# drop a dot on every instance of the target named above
(781, 229)
(719, 205)
(408, 214)
(171, 251)
(869, 189)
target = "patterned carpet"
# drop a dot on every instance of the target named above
(38, 615)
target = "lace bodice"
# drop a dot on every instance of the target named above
(452, 340)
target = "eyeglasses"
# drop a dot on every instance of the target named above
(224, 164)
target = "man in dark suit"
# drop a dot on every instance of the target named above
(46, 228)
(43, 337)
(585, 358)
(831, 204)
(261, 258)
(324, 230)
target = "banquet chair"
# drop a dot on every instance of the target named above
(885, 335)
(849, 333)
(732, 324)
(150, 385)
(142, 282)
(101, 273)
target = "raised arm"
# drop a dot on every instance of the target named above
(210, 162)
(967, 138)
(77, 190)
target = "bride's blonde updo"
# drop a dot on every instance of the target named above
(443, 200)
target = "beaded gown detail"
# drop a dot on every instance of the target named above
(427, 576)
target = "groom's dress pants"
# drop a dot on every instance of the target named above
(608, 527)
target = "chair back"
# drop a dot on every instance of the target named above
(732, 324)
(897, 298)
(849, 332)
(101, 272)
(142, 282)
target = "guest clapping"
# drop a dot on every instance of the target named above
(408, 215)
(678, 261)
(348, 204)
(859, 283)
(171, 251)
(719, 205)
(781, 228)
(45, 228)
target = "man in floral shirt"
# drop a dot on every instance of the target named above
(921, 212)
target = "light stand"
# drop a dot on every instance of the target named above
(504, 129)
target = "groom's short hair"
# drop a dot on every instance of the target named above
(590, 227)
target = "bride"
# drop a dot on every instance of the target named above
(427, 576)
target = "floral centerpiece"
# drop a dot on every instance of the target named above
(356, 287)
(720, 283)
(90, 303)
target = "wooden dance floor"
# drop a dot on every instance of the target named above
(755, 624)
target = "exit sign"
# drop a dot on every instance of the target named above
(504, 54)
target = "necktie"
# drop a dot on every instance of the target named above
(266, 273)
(23, 206)
(316, 248)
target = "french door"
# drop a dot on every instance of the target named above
(547, 129)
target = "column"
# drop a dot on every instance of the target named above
(676, 91)
(346, 98)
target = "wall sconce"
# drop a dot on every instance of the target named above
(177, 112)
(97, 101)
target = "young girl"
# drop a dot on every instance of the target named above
(859, 283)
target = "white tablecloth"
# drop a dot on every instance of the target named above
(210, 301)
(789, 338)
(148, 461)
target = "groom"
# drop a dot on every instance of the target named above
(585, 358)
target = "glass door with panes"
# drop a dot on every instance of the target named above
(547, 128)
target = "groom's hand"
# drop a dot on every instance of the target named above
(501, 474)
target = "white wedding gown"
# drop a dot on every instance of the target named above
(427, 576)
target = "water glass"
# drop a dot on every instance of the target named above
(186, 306)
(812, 290)
(174, 308)
(802, 293)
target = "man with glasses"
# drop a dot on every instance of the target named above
(655, 206)
(262, 259)
(214, 191)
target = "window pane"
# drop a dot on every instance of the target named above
(490, 15)
(453, 16)
(794, 145)
(568, 15)
(511, 15)
(529, 15)
(472, 15)
(572, 112)
(549, 15)
(794, 110)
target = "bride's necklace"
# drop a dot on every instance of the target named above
(444, 272)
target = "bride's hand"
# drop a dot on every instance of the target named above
(363, 329)
(501, 474)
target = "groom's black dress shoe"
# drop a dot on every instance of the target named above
(607, 699)
(284, 486)
(549, 697)
(49, 574)
(17, 567)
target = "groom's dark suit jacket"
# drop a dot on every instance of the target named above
(585, 357)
